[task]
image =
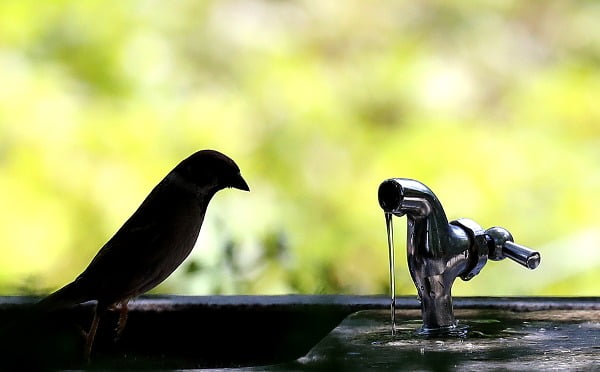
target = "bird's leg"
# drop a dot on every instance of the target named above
(123, 311)
(91, 335)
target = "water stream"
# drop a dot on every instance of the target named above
(390, 238)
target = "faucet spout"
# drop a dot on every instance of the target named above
(437, 251)
(403, 196)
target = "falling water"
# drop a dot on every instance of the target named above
(390, 235)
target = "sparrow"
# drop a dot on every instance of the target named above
(153, 242)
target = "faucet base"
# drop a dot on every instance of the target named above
(437, 311)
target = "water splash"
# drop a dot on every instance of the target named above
(457, 330)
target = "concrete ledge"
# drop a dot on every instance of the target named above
(169, 332)
(354, 302)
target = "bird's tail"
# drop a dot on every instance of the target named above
(68, 295)
(26, 338)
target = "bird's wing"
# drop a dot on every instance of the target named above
(141, 230)
(118, 261)
(147, 248)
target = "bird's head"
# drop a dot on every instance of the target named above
(211, 171)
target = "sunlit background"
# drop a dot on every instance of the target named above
(492, 104)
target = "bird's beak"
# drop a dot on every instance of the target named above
(239, 183)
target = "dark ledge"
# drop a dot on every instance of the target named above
(208, 331)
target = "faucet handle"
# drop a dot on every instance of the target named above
(501, 245)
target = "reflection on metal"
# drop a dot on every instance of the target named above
(440, 251)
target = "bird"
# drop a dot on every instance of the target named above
(152, 243)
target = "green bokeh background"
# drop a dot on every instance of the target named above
(493, 105)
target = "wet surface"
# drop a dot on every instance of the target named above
(490, 339)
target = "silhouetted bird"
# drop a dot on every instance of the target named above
(153, 242)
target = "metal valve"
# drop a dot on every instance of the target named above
(501, 245)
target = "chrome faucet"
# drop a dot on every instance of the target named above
(439, 252)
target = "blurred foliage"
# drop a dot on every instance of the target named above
(491, 104)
